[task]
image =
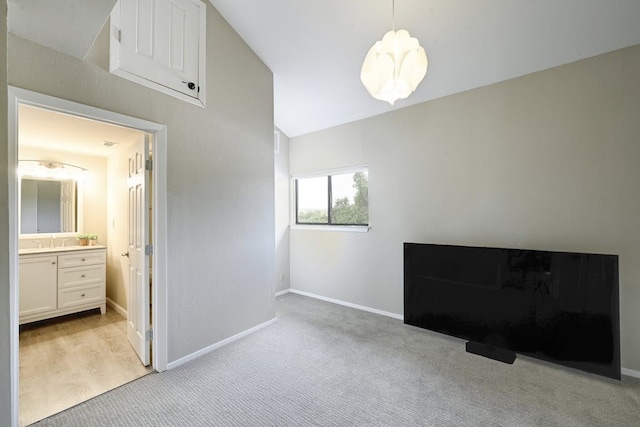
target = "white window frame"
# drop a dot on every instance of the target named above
(325, 227)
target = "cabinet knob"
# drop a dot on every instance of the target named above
(190, 85)
(82, 295)
(82, 275)
(53, 263)
(82, 259)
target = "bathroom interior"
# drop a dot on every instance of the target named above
(74, 181)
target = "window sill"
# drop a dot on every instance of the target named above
(343, 228)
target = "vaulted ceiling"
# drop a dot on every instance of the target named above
(316, 48)
(69, 26)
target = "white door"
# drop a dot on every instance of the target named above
(160, 41)
(38, 291)
(138, 321)
(67, 206)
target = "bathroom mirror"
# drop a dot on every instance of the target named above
(50, 198)
(48, 206)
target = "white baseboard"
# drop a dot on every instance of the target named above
(630, 372)
(286, 291)
(348, 304)
(117, 307)
(217, 345)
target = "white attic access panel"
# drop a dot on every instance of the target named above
(161, 44)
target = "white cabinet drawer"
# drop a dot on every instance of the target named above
(78, 276)
(81, 295)
(78, 259)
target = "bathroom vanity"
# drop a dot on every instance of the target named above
(63, 280)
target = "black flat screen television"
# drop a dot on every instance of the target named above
(561, 307)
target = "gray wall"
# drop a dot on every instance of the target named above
(545, 161)
(220, 178)
(5, 328)
(282, 180)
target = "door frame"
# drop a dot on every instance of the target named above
(17, 96)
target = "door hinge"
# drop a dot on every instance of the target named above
(148, 164)
(148, 250)
(149, 335)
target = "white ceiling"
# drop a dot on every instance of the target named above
(316, 48)
(70, 26)
(43, 128)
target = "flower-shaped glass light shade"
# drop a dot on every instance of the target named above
(394, 67)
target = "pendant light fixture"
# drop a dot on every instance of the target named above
(394, 66)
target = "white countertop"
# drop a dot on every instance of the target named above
(35, 251)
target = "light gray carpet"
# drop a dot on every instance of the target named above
(326, 365)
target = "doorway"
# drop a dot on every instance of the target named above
(157, 133)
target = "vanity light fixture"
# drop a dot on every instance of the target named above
(50, 170)
(394, 66)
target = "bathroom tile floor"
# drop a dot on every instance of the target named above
(70, 359)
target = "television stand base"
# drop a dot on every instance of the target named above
(491, 352)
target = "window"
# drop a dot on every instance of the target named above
(333, 199)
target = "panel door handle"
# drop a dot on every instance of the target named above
(190, 85)
(125, 254)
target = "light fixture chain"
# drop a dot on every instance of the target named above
(393, 15)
